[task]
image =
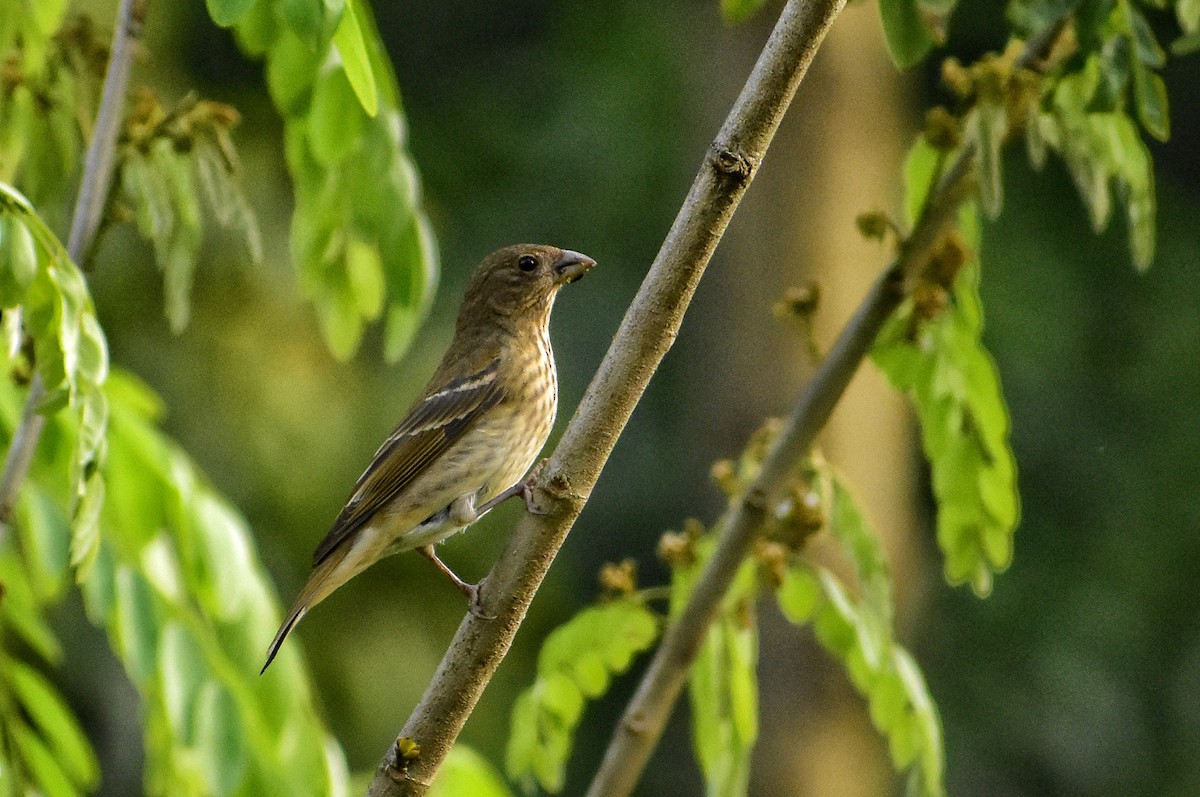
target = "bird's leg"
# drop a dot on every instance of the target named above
(523, 488)
(470, 591)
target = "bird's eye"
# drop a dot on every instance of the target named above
(527, 263)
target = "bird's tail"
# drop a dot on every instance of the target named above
(324, 579)
(294, 616)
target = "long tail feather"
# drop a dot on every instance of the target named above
(285, 629)
(324, 579)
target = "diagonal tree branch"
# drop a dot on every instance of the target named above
(644, 718)
(89, 205)
(645, 335)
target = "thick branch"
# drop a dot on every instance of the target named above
(646, 333)
(89, 205)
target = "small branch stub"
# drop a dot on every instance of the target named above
(731, 163)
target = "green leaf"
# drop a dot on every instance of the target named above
(1151, 94)
(135, 628)
(348, 39)
(964, 424)
(312, 20)
(48, 15)
(225, 197)
(182, 673)
(291, 70)
(1135, 179)
(61, 731)
(336, 119)
(228, 12)
(465, 772)
(45, 769)
(799, 595)
(18, 260)
(1188, 14)
(1186, 45)
(365, 273)
(223, 569)
(735, 11)
(44, 539)
(353, 177)
(219, 740)
(20, 610)
(922, 168)
(177, 252)
(886, 675)
(723, 692)
(989, 123)
(908, 38)
(576, 663)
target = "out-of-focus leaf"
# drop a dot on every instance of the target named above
(59, 728)
(735, 11)
(354, 180)
(990, 124)
(18, 260)
(19, 610)
(352, 48)
(1135, 179)
(1186, 45)
(135, 630)
(964, 424)
(1151, 94)
(48, 15)
(225, 197)
(336, 119)
(465, 772)
(884, 673)
(228, 12)
(908, 38)
(218, 737)
(313, 21)
(45, 769)
(45, 539)
(722, 682)
(920, 174)
(575, 664)
(1188, 14)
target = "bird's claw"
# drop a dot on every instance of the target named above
(475, 603)
(526, 489)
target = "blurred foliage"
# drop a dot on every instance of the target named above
(360, 240)
(576, 663)
(168, 161)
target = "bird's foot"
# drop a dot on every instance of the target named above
(475, 603)
(469, 591)
(525, 489)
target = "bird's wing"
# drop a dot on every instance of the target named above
(431, 427)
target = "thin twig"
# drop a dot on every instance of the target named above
(89, 205)
(646, 333)
(644, 718)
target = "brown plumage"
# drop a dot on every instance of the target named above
(467, 443)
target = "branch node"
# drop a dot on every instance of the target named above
(755, 500)
(732, 163)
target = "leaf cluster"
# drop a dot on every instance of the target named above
(360, 241)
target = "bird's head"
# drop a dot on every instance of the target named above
(520, 281)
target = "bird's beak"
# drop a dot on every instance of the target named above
(570, 266)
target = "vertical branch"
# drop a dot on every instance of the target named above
(644, 337)
(89, 205)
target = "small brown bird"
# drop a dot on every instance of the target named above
(467, 443)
